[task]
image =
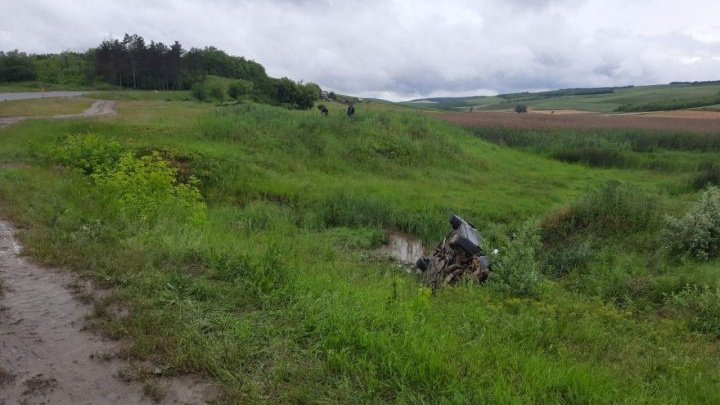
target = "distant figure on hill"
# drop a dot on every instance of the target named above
(351, 110)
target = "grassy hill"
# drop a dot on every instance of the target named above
(242, 240)
(618, 99)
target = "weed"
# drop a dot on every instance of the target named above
(708, 174)
(697, 234)
(516, 270)
(701, 305)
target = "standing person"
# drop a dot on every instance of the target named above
(351, 110)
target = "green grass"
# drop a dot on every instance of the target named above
(141, 95)
(278, 293)
(44, 107)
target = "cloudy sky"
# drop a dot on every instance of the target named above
(403, 49)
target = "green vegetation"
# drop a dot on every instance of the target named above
(670, 152)
(43, 107)
(672, 96)
(242, 240)
(131, 63)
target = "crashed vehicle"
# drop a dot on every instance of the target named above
(457, 255)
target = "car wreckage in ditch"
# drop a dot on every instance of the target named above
(458, 255)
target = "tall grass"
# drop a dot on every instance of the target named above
(280, 296)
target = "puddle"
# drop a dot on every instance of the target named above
(47, 356)
(403, 248)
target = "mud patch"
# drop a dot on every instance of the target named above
(46, 356)
(6, 377)
(100, 108)
(39, 385)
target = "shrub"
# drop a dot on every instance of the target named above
(516, 269)
(90, 153)
(697, 234)
(200, 92)
(612, 211)
(701, 306)
(217, 92)
(597, 157)
(146, 188)
(567, 258)
(240, 88)
(708, 174)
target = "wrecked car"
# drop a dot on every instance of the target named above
(458, 255)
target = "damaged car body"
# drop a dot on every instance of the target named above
(458, 255)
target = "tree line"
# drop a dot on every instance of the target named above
(131, 62)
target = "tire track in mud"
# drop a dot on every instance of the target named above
(100, 108)
(45, 355)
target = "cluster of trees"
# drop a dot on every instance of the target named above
(16, 67)
(131, 62)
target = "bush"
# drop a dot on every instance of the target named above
(90, 153)
(567, 258)
(612, 211)
(516, 269)
(708, 174)
(146, 188)
(596, 157)
(240, 88)
(200, 92)
(697, 235)
(217, 92)
(701, 306)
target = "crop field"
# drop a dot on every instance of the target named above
(677, 96)
(677, 121)
(242, 242)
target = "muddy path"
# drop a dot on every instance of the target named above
(100, 108)
(46, 356)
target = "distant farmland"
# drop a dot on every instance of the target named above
(679, 121)
(675, 96)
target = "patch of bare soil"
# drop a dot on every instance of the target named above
(7, 121)
(100, 108)
(97, 109)
(46, 356)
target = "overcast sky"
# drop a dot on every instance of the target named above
(403, 49)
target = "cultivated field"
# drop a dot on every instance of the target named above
(634, 98)
(677, 121)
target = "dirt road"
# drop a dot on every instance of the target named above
(99, 108)
(45, 355)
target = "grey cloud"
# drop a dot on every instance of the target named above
(402, 48)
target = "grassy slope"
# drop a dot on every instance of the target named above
(278, 295)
